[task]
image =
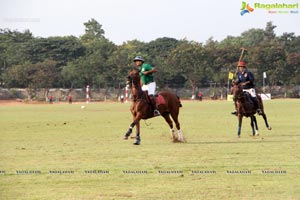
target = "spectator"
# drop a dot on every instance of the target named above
(200, 95)
(70, 99)
(122, 98)
(51, 99)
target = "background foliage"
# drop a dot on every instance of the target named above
(33, 62)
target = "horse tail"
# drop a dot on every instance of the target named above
(179, 102)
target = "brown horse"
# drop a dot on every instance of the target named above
(246, 108)
(141, 108)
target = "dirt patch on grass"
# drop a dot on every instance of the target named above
(17, 102)
(11, 102)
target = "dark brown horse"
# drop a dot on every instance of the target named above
(246, 108)
(141, 108)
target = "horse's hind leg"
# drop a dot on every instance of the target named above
(252, 125)
(256, 127)
(266, 121)
(263, 114)
(166, 116)
(175, 118)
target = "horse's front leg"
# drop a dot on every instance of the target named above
(252, 125)
(136, 122)
(137, 138)
(137, 119)
(127, 134)
(240, 118)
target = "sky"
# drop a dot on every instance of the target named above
(145, 20)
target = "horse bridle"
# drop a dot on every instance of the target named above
(239, 96)
(130, 83)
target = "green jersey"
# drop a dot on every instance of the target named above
(146, 78)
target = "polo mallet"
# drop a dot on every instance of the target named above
(240, 59)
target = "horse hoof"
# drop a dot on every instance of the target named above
(175, 140)
(125, 138)
(239, 136)
(136, 143)
(181, 141)
(269, 128)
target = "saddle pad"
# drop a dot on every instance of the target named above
(160, 100)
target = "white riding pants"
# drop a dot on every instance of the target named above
(251, 91)
(150, 87)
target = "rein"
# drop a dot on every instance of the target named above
(239, 96)
(140, 96)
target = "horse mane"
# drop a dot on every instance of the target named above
(136, 84)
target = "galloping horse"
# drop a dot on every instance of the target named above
(168, 104)
(247, 108)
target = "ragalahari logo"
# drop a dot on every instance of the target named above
(246, 8)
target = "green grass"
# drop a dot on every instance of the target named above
(67, 138)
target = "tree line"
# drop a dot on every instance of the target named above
(92, 59)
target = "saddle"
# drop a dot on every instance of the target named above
(159, 99)
(251, 100)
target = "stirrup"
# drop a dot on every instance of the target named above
(156, 112)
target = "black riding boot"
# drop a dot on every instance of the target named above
(153, 103)
(234, 112)
(256, 105)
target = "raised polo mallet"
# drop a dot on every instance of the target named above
(240, 59)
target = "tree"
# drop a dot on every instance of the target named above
(92, 68)
(12, 49)
(188, 60)
(252, 37)
(293, 66)
(270, 58)
(119, 65)
(160, 47)
(158, 51)
(60, 49)
(93, 31)
(32, 76)
(269, 32)
(93, 59)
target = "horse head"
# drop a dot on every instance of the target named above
(236, 91)
(134, 78)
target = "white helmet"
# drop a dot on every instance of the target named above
(138, 58)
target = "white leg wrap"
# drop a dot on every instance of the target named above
(180, 136)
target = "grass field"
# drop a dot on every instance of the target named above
(61, 151)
